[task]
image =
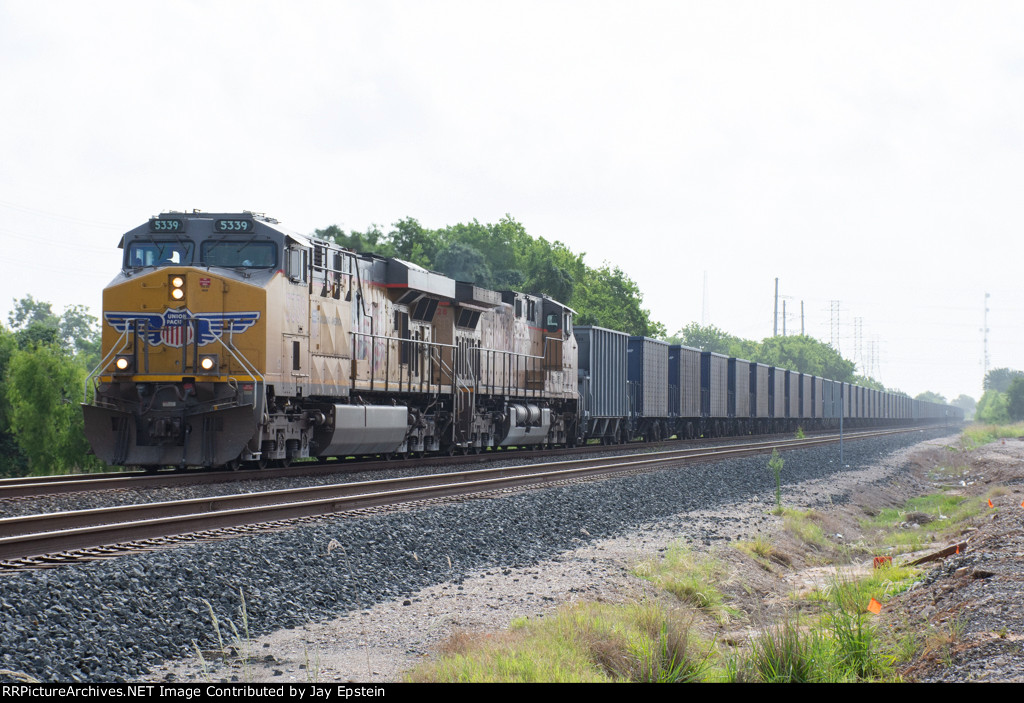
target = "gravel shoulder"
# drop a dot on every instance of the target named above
(383, 642)
(368, 598)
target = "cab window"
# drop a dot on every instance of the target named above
(228, 253)
(159, 253)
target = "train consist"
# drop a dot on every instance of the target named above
(228, 339)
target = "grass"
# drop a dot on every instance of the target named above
(647, 642)
(940, 641)
(785, 653)
(591, 642)
(689, 578)
(236, 648)
(977, 435)
(923, 520)
(764, 553)
(839, 644)
(806, 527)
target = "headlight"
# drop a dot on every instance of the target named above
(209, 362)
(177, 286)
(123, 363)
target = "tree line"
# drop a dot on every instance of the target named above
(1003, 399)
(503, 256)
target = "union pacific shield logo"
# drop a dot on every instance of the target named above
(176, 329)
(178, 326)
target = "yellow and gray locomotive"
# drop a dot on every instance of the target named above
(228, 339)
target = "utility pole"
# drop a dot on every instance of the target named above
(775, 328)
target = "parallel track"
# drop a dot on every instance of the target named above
(68, 532)
(34, 486)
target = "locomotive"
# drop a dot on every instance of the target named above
(228, 340)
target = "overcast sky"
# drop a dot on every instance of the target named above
(865, 153)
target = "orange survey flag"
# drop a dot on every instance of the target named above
(990, 503)
(874, 606)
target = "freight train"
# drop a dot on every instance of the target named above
(228, 340)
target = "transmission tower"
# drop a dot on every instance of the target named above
(835, 324)
(704, 308)
(858, 351)
(984, 329)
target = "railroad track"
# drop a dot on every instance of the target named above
(36, 486)
(54, 538)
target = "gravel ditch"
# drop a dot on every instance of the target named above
(111, 620)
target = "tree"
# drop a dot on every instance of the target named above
(372, 241)
(12, 461)
(992, 407)
(503, 256)
(965, 403)
(463, 263)
(706, 338)
(806, 355)
(35, 323)
(1000, 379)
(1015, 399)
(411, 242)
(43, 389)
(28, 310)
(931, 397)
(607, 297)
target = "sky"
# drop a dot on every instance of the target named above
(869, 155)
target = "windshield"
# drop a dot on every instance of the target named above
(234, 253)
(159, 253)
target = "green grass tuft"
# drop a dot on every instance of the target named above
(590, 642)
(689, 578)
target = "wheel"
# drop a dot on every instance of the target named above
(258, 464)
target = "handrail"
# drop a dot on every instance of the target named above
(122, 343)
(95, 373)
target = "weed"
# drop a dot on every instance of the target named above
(236, 649)
(763, 552)
(800, 433)
(922, 520)
(977, 435)
(688, 578)
(312, 668)
(788, 654)
(640, 642)
(854, 637)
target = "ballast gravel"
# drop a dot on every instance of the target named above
(112, 620)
